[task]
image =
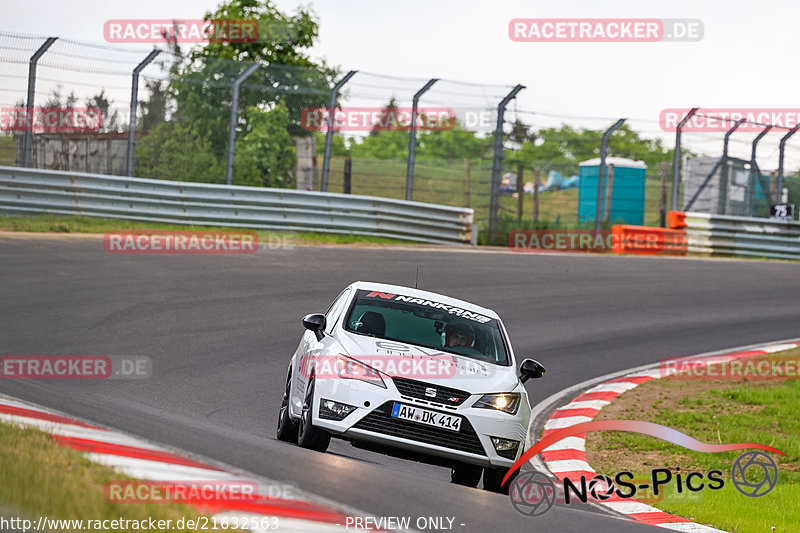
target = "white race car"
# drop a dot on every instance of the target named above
(413, 374)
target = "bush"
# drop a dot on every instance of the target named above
(175, 151)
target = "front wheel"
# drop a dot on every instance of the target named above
(309, 436)
(493, 477)
(287, 428)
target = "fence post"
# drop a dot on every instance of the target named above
(497, 162)
(610, 188)
(326, 158)
(601, 176)
(662, 203)
(467, 180)
(536, 174)
(27, 140)
(412, 138)
(520, 192)
(785, 138)
(234, 118)
(348, 172)
(755, 170)
(132, 115)
(777, 194)
(676, 157)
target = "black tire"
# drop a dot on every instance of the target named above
(308, 436)
(493, 477)
(287, 428)
(465, 474)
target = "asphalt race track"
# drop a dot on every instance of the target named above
(221, 329)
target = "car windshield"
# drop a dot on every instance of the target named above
(427, 323)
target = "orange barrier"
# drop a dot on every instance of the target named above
(676, 219)
(645, 240)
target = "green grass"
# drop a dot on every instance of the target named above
(763, 412)
(39, 478)
(6, 150)
(84, 224)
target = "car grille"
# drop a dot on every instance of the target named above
(379, 421)
(443, 395)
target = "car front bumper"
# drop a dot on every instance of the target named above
(371, 422)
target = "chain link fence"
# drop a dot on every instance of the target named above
(205, 119)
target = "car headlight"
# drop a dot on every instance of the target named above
(347, 368)
(507, 402)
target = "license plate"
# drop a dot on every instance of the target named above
(424, 416)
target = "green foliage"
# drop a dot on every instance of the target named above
(111, 121)
(282, 38)
(177, 151)
(264, 154)
(154, 109)
(382, 145)
(453, 144)
(270, 101)
(338, 147)
(563, 148)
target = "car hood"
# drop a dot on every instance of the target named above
(403, 359)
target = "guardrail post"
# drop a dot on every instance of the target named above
(497, 162)
(785, 138)
(719, 162)
(132, 115)
(27, 140)
(234, 119)
(601, 176)
(412, 138)
(676, 157)
(326, 159)
(754, 169)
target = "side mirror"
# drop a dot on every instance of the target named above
(315, 322)
(530, 368)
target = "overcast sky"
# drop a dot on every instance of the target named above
(742, 61)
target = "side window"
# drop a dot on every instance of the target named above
(335, 311)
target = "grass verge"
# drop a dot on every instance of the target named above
(84, 224)
(713, 411)
(39, 478)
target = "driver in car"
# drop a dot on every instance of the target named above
(458, 334)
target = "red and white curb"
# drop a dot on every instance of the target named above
(567, 458)
(142, 460)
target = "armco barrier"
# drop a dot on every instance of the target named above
(36, 191)
(644, 240)
(744, 236)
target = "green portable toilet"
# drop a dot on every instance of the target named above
(627, 191)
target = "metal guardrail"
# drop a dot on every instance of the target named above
(37, 191)
(744, 236)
